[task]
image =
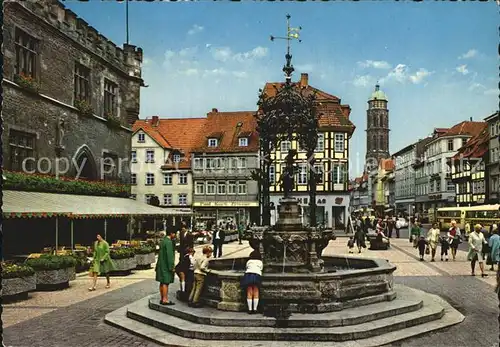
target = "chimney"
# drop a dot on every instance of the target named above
(214, 110)
(155, 120)
(304, 80)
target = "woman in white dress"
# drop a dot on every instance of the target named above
(476, 242)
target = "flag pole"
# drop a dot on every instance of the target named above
(126, 19)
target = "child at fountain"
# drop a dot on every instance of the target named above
(200, 271)
(185, 271)
(252, 280)
(350, 244)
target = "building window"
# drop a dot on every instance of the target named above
(243, 141)
(339, 143)
(141, 137)
(221, 188)
(320, 145)
(212, 142)
(464, 141)
(150, 179)
(242, 163)
(450, 145)
(177, 158)
(438, 186)
(82, 83)
(242, 187)
(319, 170)
(450, 186)
(183, 200)
(286, 146)
(210, 188)
(22, 147)
(133, 196)
(26, 54)
(183, 178)
(133, 156)
(167, 199)
(148, 197)
(200, 188)
(133, 179)
(302, 174)
(198, 163)
(150, 156)
(231, 187)
(272, 174)
(167, 178)
(110, 98)
(338, 173)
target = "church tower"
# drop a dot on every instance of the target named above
(377, 130)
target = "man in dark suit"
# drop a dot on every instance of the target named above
(218, 240)
(186, 240)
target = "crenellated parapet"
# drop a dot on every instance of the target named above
(129, 58)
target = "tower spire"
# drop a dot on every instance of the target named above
(291, 34)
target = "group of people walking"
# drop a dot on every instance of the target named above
(483, 244)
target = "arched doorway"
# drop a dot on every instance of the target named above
(85, 164)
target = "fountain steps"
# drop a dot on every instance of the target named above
(412, 313)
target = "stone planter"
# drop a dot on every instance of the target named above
(125, 265)
(49, 278)
(16, 286)
(145, 260)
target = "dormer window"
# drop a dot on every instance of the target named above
(141, 137)
(212, 142)
(243, 141)
(177, 158)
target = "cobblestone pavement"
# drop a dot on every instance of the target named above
(80, 322)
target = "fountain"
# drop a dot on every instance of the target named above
(306, 295)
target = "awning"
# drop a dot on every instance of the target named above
(18, 204)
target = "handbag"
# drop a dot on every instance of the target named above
(427, 250)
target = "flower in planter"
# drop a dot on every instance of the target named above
(144, 250)
(16, 271)
(122, 253)
(84, 107)
(26, 81)
(113, 121)
(48, 262)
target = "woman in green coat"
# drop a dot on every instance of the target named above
(102, 263)
(415, 233)
(165, 267)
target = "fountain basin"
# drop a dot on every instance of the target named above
(345, 282)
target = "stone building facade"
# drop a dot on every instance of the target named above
(377, 128)
(493, 160)
(70, 95)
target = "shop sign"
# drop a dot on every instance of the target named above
(226, 204)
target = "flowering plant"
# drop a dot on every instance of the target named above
(27, 82)
(84, 107)
(113, 121)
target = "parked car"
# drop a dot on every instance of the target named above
(401, 223)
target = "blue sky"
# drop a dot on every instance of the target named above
(437, 61)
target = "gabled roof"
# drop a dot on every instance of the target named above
(476, 147)
(470, 128)
(387, 164)
(333, 115)
(179, 134)
(229, 127)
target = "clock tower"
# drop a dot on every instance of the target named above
(377, 127)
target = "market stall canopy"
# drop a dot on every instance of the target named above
(19, 204)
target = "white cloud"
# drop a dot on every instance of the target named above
(304, 68)
(471, 53)
(475, 86)
(376, 64)
(462, 69)
(195, 29)
(225, 53)
(419, 76)
(362, 81)
(493, 91)
(189, 72)
(402, 74)
(240, 74)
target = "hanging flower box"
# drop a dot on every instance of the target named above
(17, 280)
(27, 82)
(113, 121)
(84, 107)
(62, 185)
(53, 271)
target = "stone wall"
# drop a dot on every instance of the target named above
(64, 40)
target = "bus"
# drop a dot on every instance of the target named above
(486, 215)
(445, 215)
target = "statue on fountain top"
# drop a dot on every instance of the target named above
(287, 178)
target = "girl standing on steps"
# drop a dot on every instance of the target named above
(102, 263)
(252, 280)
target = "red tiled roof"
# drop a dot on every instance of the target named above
(229, 127)
(333, 115)
(387, 164)
(465, 128)
(179, 134)
(477, 145)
